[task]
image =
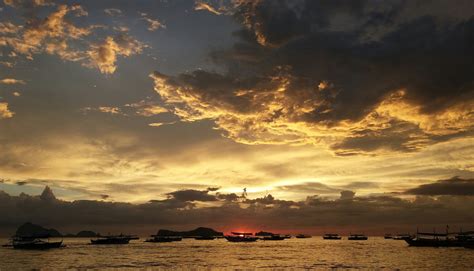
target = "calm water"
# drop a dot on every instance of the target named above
(314, 253)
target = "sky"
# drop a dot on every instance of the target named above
(277, 114)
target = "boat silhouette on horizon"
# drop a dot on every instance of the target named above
(427, 239)
(357, 237)
(33, 243)
(163, 239)
(332, 236)
(239, 237)
(120, 239)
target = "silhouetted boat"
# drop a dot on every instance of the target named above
(388, 236)
(241, 237)
(275, 237)
(303, 236)
(204, 237)
(34, 243)
(426, 239)
(332, 236)
(113, 240)
(163, 239)
(357, 237)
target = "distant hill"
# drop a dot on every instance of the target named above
(87, 234)
(201, 231)
(30, 229)
(264, 233)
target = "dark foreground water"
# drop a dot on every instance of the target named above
(314, 253)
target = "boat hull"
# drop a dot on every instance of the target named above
(110, 241)
(414, 242)
(239, 239)
(273, 238)
(357, 238)
(37, 245)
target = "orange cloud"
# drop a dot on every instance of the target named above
(104, 55)
(274, 116)
(5, 113)
(11, 81)
(55, 34)
(201, 5)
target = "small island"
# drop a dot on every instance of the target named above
(201, 231)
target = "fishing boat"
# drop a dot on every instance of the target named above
(163, 239)
(241, 237)
(34, 243)
(331, 236)
(357, 237)
(301, 236)
(427, 239)
(113, 239)
(274, 237)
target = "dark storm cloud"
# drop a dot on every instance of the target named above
(313, 212)
(455, 186)
(192, 195)
(385, 75)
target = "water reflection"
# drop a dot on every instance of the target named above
(313, 253)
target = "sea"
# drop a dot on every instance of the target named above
(313, 253)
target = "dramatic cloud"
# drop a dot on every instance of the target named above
(192, 195)
(455, 186)
(335, 74)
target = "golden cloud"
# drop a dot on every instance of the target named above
(153, 24)
(5, 113)
(18, 3)
(104, 55)
(143, 108)
(274, 115)
(201, 5)
(50, 34)
(11, 81)
(55, 33)
(147, 108)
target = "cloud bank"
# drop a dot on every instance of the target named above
(358, 77)
(184, 208)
